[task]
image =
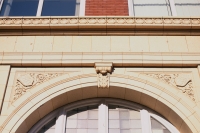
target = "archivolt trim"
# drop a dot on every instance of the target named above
(181, 81)
(56, 83)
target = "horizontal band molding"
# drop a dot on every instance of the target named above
(103, 25)
(147, 59)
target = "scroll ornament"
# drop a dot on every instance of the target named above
(29, 80)
(181, 81)
(103, 74)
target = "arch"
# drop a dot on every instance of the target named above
(100, 102)
(65, 89)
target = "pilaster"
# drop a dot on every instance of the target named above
(4, 74)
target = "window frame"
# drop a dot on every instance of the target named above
(1, 3)
(132, 13)
(103, 103)
(40, 6)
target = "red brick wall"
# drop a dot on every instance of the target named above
(106, 8)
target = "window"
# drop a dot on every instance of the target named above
(48, 128)
(82, 120)
(19, 8)
(151, 8)
(42, 8)
(111, 116)
(187, 7)
(159, 8)
(124, 120)
(138, 8)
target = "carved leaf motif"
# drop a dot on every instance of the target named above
(177, 21)
(27, 21)
(195, 21)
(55, 21)
(18, 21)
(26, 80)
(158, 21)
(103, 80)
(182, 80)
(130, 21)
(111, 21)
(148, 21)
(2, 21)
(167, 21)
(36, 21)
(64, 21)
(120, 21)
(186, 21)
(139, 21)
(103, 70)
(96, 20)
(73, 21)
(92, 21)
(29, 81)
(102, 21)
(83, 21)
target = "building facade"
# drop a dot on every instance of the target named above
(99, 66)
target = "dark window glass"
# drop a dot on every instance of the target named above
(19, 8)
(59, 8)
(49, 127)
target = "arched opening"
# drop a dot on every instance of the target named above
(106, 115)
(65, 90)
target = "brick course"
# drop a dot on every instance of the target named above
(106, 8)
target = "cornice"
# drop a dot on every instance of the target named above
(102, 25)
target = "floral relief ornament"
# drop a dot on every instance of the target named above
(182, 82)
(29, 80)
(103, 70)
(97, 20)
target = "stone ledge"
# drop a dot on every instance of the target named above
(118, 58)
(103, 25)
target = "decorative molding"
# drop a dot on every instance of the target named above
(181, 81)
(103, 70)
(125, 59)
(147, 22)
(27, 81)
(97, 20)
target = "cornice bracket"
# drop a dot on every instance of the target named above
(103, 70)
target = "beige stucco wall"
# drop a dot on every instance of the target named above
(133, 57)
(99, 43)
